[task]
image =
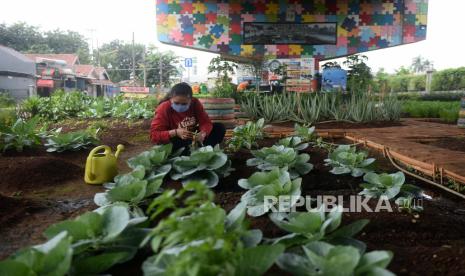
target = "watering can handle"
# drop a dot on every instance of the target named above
(92, 153)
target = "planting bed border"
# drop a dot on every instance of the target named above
(438, 174)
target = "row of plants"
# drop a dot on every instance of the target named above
(433, 96)
(189, 234)
(317, 107)
(443, 80)
(63, 105)
(446, 111)
(26, 134)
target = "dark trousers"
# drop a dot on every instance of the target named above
(216, 137)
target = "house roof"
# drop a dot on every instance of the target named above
(13, 61)
(84, 70)
(70, 59)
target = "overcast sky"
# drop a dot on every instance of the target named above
(117, 19)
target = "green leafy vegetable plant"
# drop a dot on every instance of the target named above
(149, 169)
(316, 225)
(392, 186)
(101, 239)
(345, 159)
(279, 156)
(307, 134)
(274, 183)
(199, 238)
(22, 134)
(246, 136)
(50, 258)
(294, 142)
(321, 258)
(205, 164)
(71, 141)
(132, 187)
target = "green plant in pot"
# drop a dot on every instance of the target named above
(220, 107)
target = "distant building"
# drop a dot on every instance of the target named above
(55, 71)
(94, 80)
(17, 73)
(64, 71)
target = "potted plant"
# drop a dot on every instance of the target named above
(220, 107)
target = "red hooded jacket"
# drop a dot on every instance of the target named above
(166, 119)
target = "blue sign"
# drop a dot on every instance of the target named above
(188, 62)
(334, 79)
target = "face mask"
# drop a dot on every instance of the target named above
(180, 107)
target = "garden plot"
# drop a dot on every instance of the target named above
(427, 242)
(38, 188)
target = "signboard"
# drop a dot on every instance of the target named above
(135, 89)
(187, 62)
(270, 33)
(299, 72)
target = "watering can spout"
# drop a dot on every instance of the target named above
(119, 149)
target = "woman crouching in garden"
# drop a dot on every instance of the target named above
(179, 116)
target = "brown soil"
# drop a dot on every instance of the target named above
(450, 143)
(33, 173)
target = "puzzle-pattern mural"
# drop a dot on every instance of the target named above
(362, 25)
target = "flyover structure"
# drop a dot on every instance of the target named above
(320, 29)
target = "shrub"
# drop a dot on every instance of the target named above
(6, 100)
(447, 111)
(449, 79)
(22, 134)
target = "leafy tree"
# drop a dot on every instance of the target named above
(359, 77)
(170, 64)
(381, 81)
(119, 54)
(403, 71)
(331, 64)
(21, 36)
(257, 66)
(222, 68)
(68, 42)
(27, 38)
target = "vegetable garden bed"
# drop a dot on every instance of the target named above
(432, 242)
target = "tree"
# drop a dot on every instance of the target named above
(68, 42)
(403, 71)
(381, 81)
(119, 55)
(170, 65)
(420, 64)
(21, 36)
(331, 64)
(27, 38)
(257, 67)
(359, 77)
(222, 68)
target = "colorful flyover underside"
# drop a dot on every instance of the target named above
(217, 26)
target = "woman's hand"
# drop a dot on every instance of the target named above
(200, 137)
(183, 133)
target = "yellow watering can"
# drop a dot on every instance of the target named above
(101, 165)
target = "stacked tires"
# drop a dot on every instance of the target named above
(220, 110)
(461, 122)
